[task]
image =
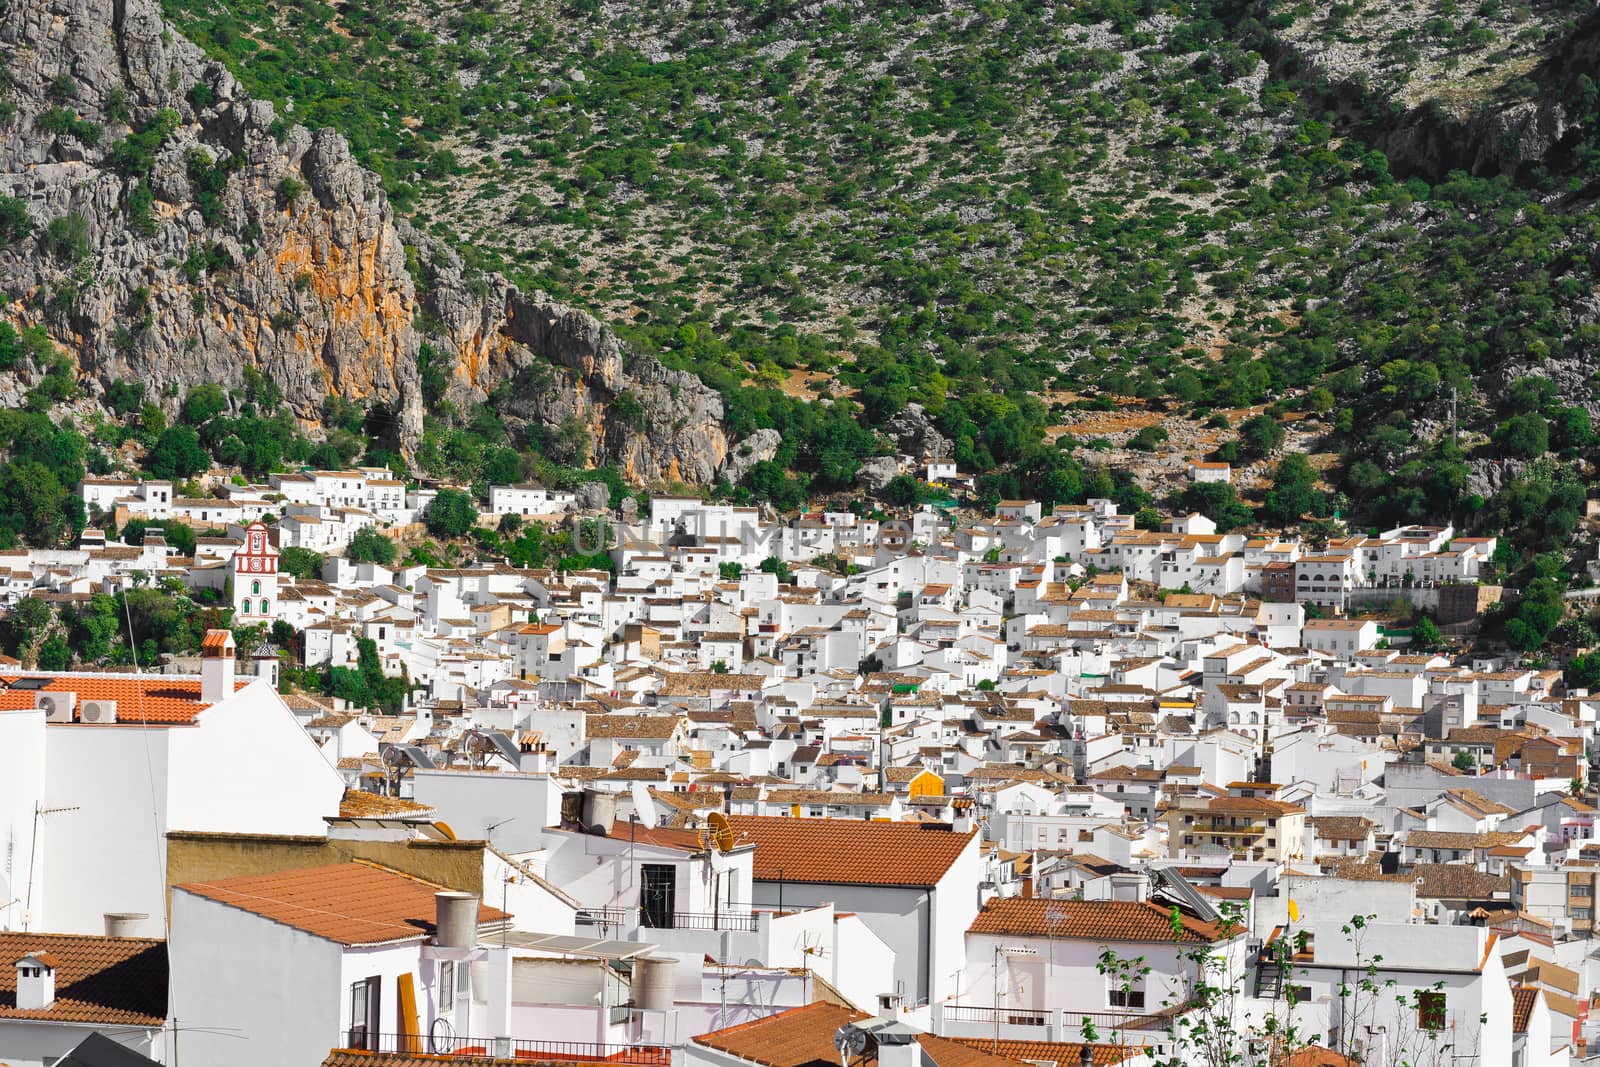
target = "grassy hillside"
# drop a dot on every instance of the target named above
(1009, 212)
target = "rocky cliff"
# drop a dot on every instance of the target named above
(1436, 90)
(183, 233)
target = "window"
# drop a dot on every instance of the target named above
(1430, 1009)
(1126, 994)
(365, 1006)
(1580, 913)
(255, 588)
(1582, 889)
(244, 606)
(446, 995)
(1298, 994)
(658, 892)
(266, 607)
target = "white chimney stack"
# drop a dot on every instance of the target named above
(216, 666)
(36, 982)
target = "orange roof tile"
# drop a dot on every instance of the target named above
(849, 851)
(350, 903)
(1064, 1053)
(358, 804)
(155, 699)
(117, 981)
(803, 1037)
(477, 1057)
(1089, 920)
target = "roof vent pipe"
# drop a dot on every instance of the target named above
(455, 920)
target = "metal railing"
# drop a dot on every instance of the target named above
(1108, 1021)
(696, 920)
(443, 1043)
(1006, 1016)
(601, 917)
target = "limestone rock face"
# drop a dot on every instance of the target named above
(877, 472)
(553, 365)
(915, 434)
(311, 291)
(262, 246)
(759, 447)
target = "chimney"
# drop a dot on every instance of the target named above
(36, 982)
(455, 920)
(264, 664)
(216, 666)
(898, 1046)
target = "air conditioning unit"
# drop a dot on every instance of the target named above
(57, 706)
(101, 711)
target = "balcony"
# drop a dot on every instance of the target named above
(1047, 1024)
(442, 1041)
(606, 918)
(737, 922)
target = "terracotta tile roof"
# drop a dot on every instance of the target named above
(1063, 1053)
(803, 1037)
(1523, 999)
(119, 981)
(1462, 841)
(1089, 920)
(358, 804)
(162, 700)
(345, 1057)
(848, 851)
(658, 727)
(350, 903)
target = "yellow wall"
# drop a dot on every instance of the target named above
(201, 857)
(927, 784)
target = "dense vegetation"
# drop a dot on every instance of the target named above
(1003, 211)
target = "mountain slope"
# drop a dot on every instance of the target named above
(1003, 211)
(178, 233)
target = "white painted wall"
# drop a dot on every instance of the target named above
(101, 846)
(22, 776)
(244, 766)
(33, 1044)
(252, 993)
(473, 801)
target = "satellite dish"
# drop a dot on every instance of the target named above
(645, 805)
(850, 1041)
(721, 831)
(446, 829)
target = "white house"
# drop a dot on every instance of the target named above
(56, 990)
(95, 769)
(912, 885)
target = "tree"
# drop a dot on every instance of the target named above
(451, 513)
(371, 546)
(774, 565)
(1523, 436)
(1426, 634)
(1261, 434)
(730, 571)
(34, 504)
(503, 467)
(300, 562)
(204, 402)
(177, 454)
(1464, 762)
(1218, 502)
(1293, 492)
